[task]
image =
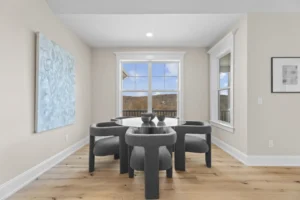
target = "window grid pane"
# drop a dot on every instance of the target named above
(165, 103)
(134, 103)
(224, 105)
(135, 76)
(166, 72)
(224, 71)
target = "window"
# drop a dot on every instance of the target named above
(149, 85)
(224, 89)
(221, 84)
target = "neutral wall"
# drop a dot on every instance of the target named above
(20, 147)
(238, 139)
(277, 119)
(196, 78)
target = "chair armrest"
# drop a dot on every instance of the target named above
(193, 127)
(107, 129)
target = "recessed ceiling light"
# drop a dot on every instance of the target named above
(149, 34)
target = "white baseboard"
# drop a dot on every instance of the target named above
(252, 160)
(275, 161)
(237, 154)
(10, 187)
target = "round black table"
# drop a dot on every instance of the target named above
(153, 127)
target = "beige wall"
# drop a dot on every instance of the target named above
(277, 119)
(20, 148)
(238, 139)
(196, 100)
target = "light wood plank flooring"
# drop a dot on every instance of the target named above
(228, 179)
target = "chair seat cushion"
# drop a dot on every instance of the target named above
(106, 146)
(138, 154)
(194, 143)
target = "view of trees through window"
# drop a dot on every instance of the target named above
(150, 87)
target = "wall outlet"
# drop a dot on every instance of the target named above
(259, 100)
(271, 143)
(67, 138)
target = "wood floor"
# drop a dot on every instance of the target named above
(228, 179)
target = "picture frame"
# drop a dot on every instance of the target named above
(55, 104)
(285, 75)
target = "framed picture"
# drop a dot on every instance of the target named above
(285, 73)
(55, 86)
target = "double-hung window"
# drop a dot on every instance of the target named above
(224, 89)
(221, 83)
(149, 86)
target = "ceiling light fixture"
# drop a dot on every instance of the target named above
(149, 34)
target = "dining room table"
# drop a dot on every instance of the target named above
(152, 127)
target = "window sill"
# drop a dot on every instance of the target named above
(221, 125)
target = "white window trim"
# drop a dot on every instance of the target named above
(222, 48)
(153, 56)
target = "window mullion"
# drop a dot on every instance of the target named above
(149, 87)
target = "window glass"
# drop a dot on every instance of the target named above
(224, 71)
(171, 83)
(224, 105)
(158, 69)
(134, 103)
(136, 95)
(171, 69)
(165, 103)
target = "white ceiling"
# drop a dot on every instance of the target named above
(124, 23)
(200, 30)
(171, 6)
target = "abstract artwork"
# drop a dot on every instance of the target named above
(290, 74)
(55, 86)
(285, 74)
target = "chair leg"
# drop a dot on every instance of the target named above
(208, 159)
(130, 172)
(170, 172)
(180, 153)
(116, 156)
(91, 154)
(151, 171)
(123, 153)
(208, 154)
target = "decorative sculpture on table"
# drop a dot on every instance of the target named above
(55, 86)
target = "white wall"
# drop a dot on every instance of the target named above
(196, 78)
(20, 148)
(238, 139)
(271, 35)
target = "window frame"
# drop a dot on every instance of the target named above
(221, 49)
(149, 57)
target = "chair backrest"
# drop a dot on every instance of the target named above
(134, 137)
(107, 129)
(194, 127)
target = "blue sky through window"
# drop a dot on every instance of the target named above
(164, 76)
(224, 79)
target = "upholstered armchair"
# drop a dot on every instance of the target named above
(150, 153)
(114, 145)
(189, 140)
(116, 156)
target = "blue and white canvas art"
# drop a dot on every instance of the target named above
(55, 86)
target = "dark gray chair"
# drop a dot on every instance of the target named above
(150, 153)
(116, 139)
(189, 140)
(114, 145)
